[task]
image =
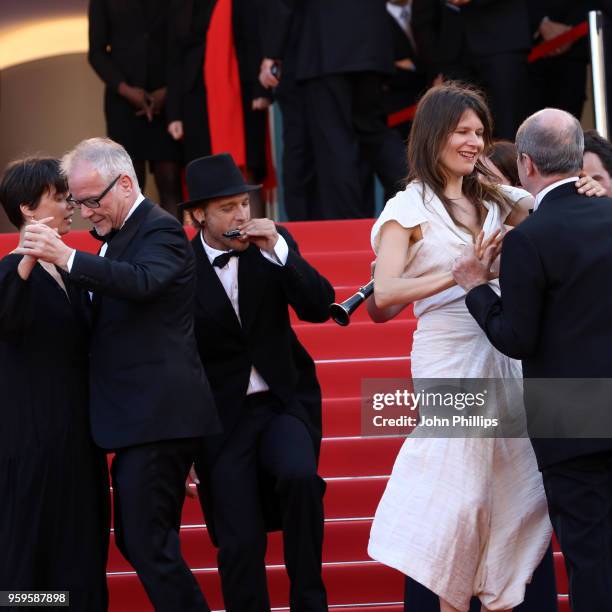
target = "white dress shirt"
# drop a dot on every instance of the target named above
(228, 275)
(540, 196)
(403, 16)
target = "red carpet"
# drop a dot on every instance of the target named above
(355, 468)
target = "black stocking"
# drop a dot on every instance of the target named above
(168, 181)
(141, 172)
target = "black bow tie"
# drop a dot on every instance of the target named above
(220, 261)
(107, 237)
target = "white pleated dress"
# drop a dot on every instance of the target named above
(462, 516)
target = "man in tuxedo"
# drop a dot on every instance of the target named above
(150, 400)
(261, 473)
(342, 52)
(554, 314)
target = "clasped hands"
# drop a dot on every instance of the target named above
(42, 242)
(477, 265)
(146, 103)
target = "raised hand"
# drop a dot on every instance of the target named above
(588, 186)
(261, 232)
(43, 242)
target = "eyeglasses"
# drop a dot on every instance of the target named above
(92, 202)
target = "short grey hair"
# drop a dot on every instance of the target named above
(554, 141)
(105, 155)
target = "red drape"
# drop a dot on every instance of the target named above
(222, 79)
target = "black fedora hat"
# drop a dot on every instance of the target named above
(215, 176)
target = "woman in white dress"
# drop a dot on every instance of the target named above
(461, 516)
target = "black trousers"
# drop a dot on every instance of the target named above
(579, 494)
(540, 595)
(558, 82)
(504, 79)
(347, 124)
(149, 490)
(280, 445)
(299, 179)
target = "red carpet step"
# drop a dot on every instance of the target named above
(358, 340)
(347, 583)
(345, 540)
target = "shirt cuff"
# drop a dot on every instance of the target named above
(281, 252)
(70, 260)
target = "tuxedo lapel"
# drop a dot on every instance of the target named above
(211, 296)
(123, 238)
(253, 274)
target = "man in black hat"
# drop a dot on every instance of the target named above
(261, 473)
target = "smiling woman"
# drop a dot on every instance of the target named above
(450, 483)
(53, 534)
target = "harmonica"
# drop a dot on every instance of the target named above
(235, 233)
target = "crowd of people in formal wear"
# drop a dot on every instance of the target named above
(179, 358)
(175, 72)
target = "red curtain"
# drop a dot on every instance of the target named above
(222, 79)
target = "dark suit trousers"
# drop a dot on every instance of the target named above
(348, 124)
(279, 444)
(579, 494)
(149, 490)
(504, 78)
(558, 82)
(299, 183)
(540, 594)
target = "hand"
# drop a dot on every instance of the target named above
(137, 97)
(191, 478)
(43, 242)
(588, 186)
(157, 99)
(469, 270)
(27, 263)
(260, 232)
(266, 78)
(551, 29)
(175, 129)
(491, 244)
(261, 104)
(405, 64)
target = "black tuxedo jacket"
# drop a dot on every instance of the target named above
(264, 338)
(333, 36)
(554, 313)
(147, 383)
(128, 42)
(481, 28)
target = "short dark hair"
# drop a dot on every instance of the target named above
(594, 143)
(25, 181)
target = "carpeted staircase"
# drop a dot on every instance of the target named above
(355, 468)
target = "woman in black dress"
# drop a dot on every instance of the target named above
(128, 51)
(54, 518)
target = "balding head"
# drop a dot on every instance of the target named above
(554, 141)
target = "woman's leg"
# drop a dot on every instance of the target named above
(168, 181)
(141, 172)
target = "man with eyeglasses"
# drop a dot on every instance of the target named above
(150, 401)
